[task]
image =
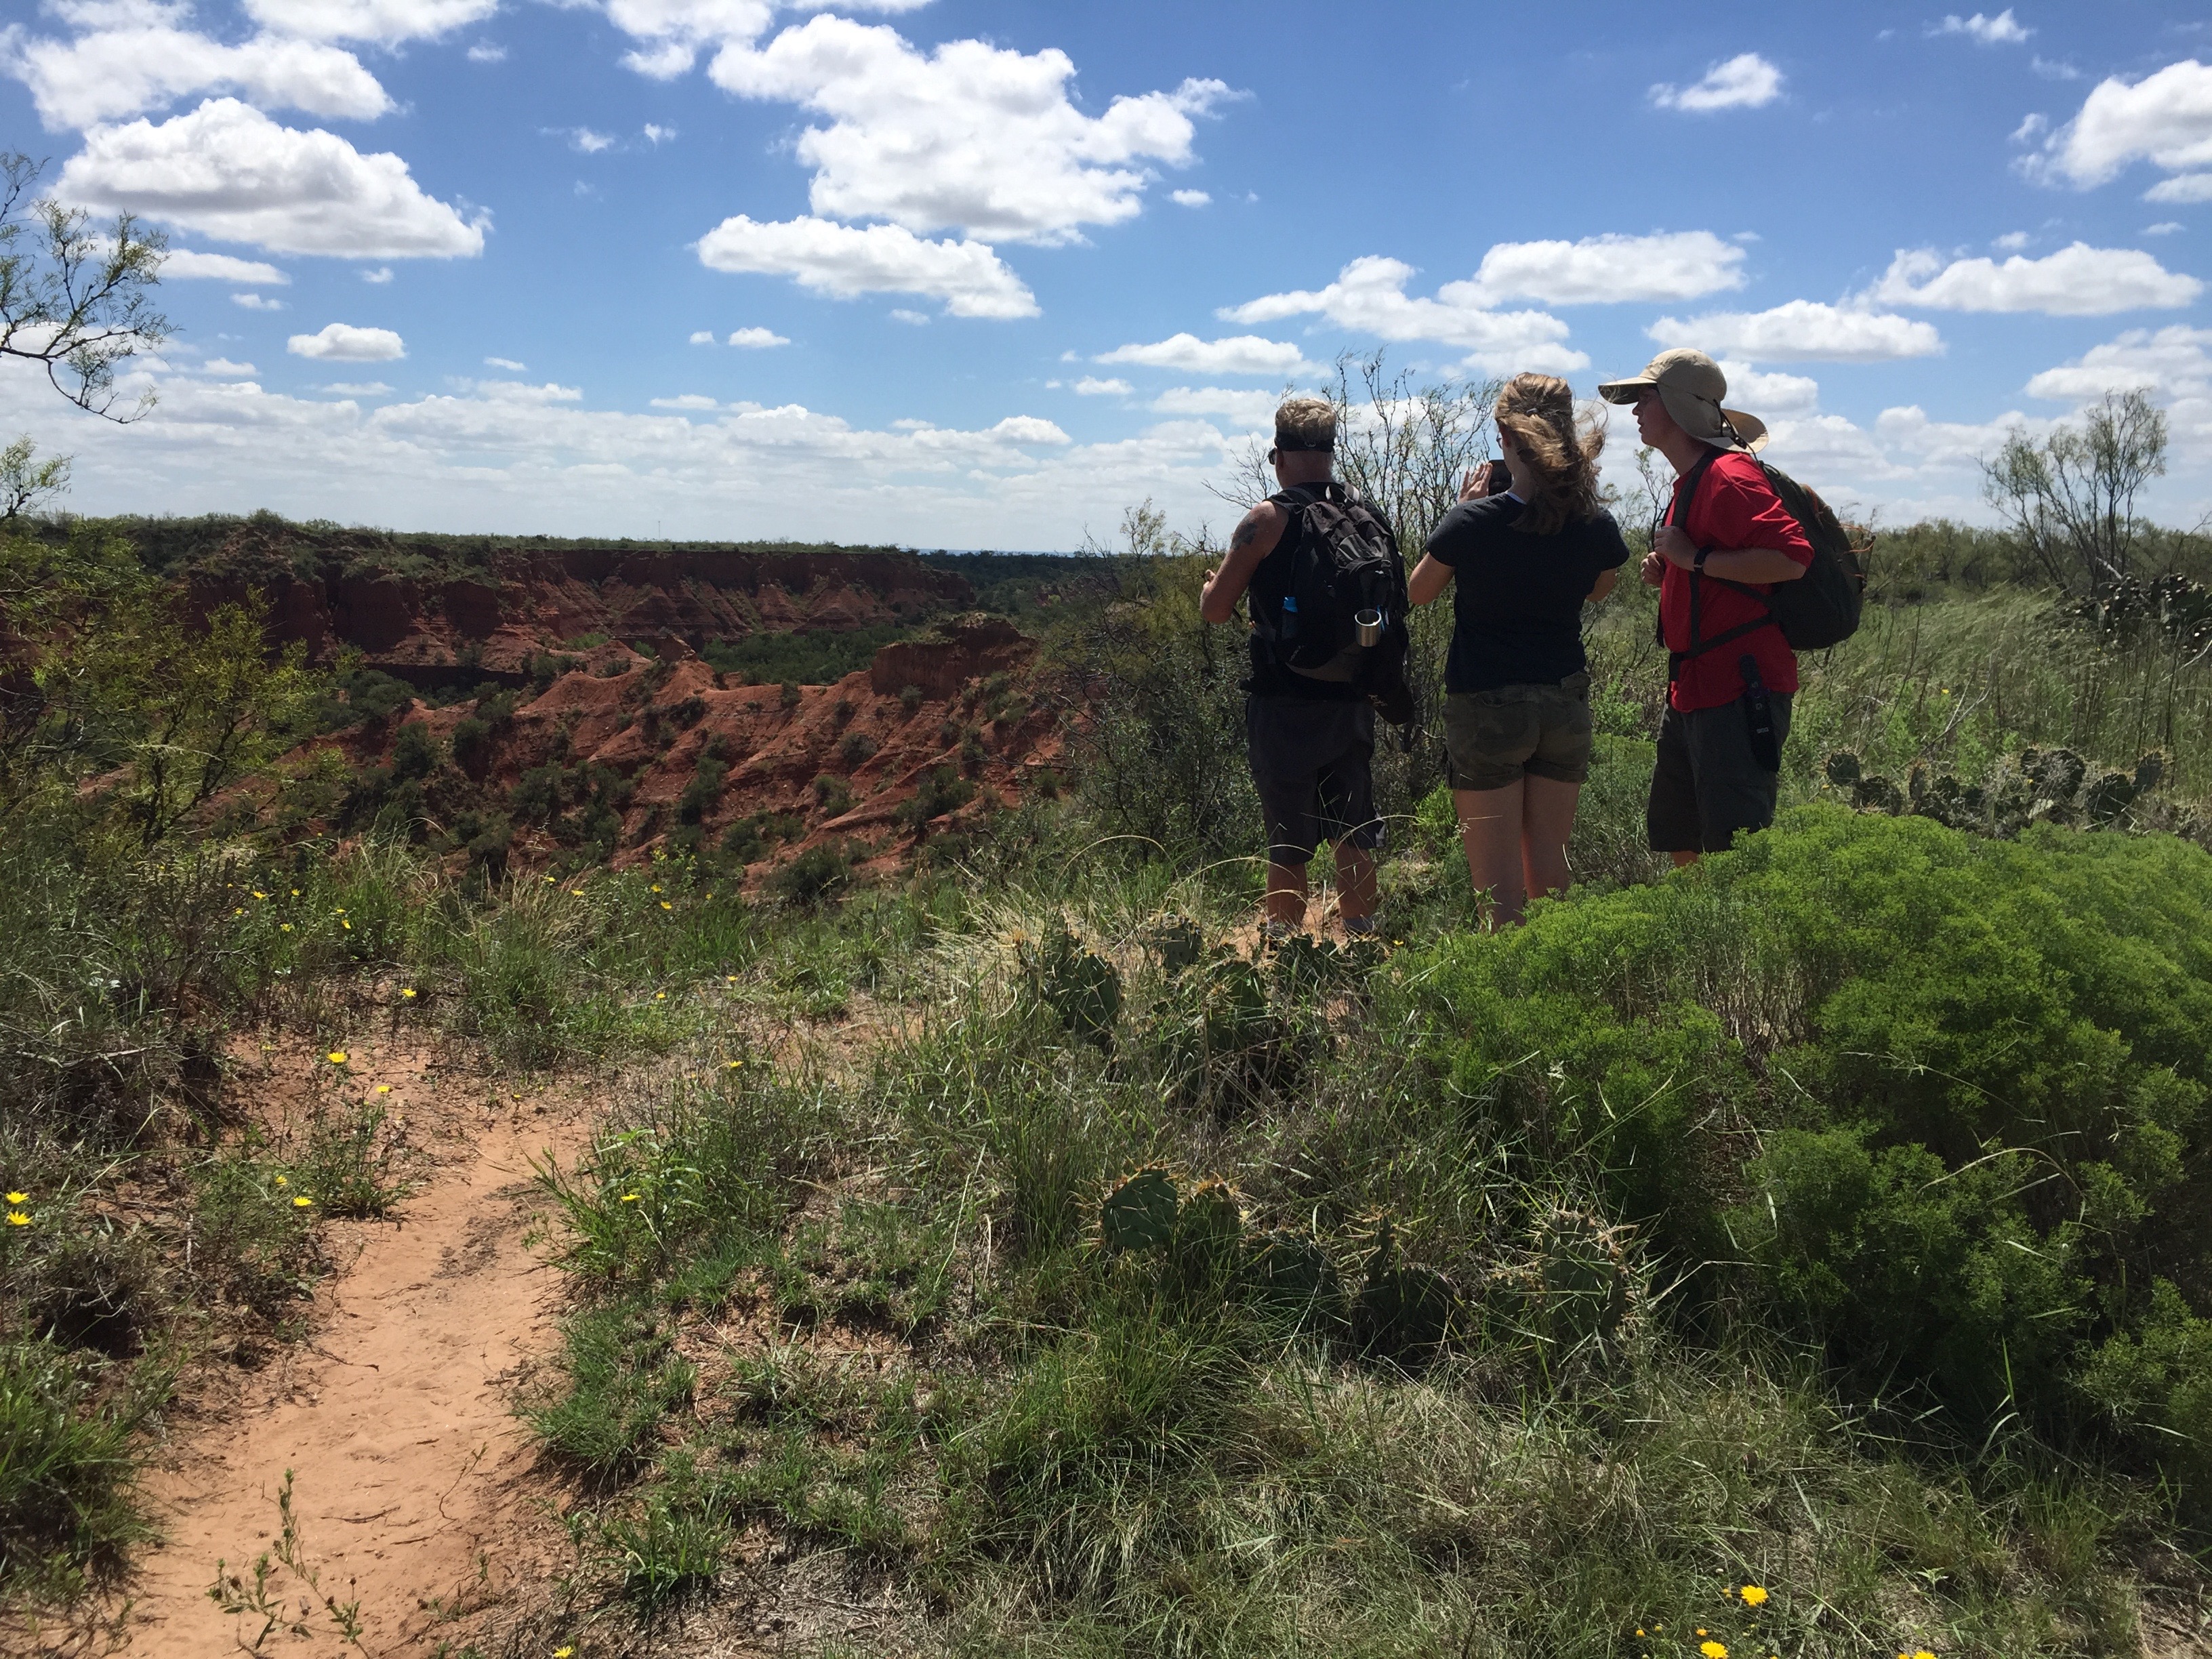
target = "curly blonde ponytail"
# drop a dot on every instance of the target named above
(1535, 413)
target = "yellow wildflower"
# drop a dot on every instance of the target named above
(660, 996)
(17, 1218)
(1712, 1650)
(261, 896)
(563, 1653)
(282, 1181)
(347, 926)
(19, 1198)
(303, 1203)
(656, 887)
(338, 1057)
(384, 1088)
(1752, 1595)
(238, 913)
(575, 892)
(407, 995)
(629, 1198)
(296, 892)
(666, 905)
(285, 926)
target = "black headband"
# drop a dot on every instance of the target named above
(1300, 445)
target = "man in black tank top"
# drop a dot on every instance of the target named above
(1312, 741)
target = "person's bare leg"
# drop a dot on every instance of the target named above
(1489, 828)
(1355, 884)
(1547, 821)
(1683, 860)
(1286, 894)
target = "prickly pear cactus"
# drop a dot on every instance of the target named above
(1177, 942)
(1404, 1312)
(1209, 1233)
(1083, 987)
(1290, 1274)
(1584, 1274)
(1138, 1213)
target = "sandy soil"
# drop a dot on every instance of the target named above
(413, 1493)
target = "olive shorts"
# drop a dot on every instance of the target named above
(1495, 738)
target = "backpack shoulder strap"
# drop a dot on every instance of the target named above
(1685, 493)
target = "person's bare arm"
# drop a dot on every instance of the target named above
(1746, 564)
(1606, 579)
(1255, 537)
(1429, 579)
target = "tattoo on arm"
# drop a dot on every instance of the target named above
(1246, 532)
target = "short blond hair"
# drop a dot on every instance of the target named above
(1309, 421)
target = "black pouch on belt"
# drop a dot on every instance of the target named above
(1759, 718)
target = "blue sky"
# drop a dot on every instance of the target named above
(995, 271)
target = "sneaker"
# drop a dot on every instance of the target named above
(1361, 927)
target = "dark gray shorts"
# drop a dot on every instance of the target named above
(1707, 784)
(1495, 738)
(1313, 765)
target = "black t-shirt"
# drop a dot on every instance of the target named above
(1271, 582)
(1518, 598)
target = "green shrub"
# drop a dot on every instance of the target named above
(1942, 1097)
(66, 1469)
(623, 1378)
(814, 874)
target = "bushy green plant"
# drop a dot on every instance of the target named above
(1942, 1093)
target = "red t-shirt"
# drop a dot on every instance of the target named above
(1735, 508)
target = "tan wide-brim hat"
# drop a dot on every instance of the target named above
(1691, 385)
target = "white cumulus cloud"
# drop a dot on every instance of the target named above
(183, 262)
(1190, 198)
(1605, 270)
(506, 364)
(1772, 396)
(229, 171)
(757, 339)
(1248, 410)
(2001, 30)
(1745, 80)
(1090, 386)
(969, 136)
(1241, 354)
(1368, 295)
(117, 72)
(342, 342)
(845, 260)
(2168, 361)
(1802, 331)
(672, 32)
(2164, 119)
(384, 22)
(2078, 281)
(257, 302)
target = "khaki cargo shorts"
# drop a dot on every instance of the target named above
(1495, 738)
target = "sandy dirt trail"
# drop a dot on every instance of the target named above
(412, 1488)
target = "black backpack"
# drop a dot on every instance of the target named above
(1344, 561)
(1821, 608)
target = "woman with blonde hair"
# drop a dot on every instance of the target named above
(1528, 544)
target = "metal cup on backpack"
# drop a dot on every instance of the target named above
(1369, 626)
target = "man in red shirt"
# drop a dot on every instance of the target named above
(1727, 540)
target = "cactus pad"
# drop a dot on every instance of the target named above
(1138, 1212)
